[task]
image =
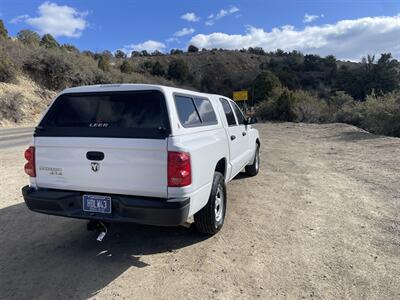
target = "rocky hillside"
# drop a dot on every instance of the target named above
(22, 102)
(213, 71)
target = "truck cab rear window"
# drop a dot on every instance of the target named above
(195, 111)
(206, 111)
(108, 114)
(187, 112)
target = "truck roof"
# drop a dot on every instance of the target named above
(129, 87)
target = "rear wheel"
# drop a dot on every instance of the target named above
(252, 170)
(211, 217)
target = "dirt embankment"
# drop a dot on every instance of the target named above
(22, 103)
(320, 221)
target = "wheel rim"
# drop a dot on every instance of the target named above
(219, 204)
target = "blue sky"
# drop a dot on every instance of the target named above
(347, 29)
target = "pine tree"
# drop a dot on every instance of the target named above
(3, 30)
(49, 41)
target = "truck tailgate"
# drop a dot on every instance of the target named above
(104, 142)
(134, 167)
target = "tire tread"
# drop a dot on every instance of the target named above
(251, 169)
(204, 218)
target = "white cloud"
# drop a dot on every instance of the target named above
(149, 46)
(210, 22)
(223, 12)
(346, 39)
(58, 20)
(173, 40)
(212, 18)
(311, 18)
(190, 17)
(19, 19)
(184, 31)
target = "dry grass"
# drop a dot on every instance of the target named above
(22, 103)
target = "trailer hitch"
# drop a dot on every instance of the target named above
(100, 227)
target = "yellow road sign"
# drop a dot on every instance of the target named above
(241, 96)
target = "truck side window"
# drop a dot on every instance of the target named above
(206, 111)
(238, 113)
(187, 112)
(228, 112)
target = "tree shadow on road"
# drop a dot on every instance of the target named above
(50, 257)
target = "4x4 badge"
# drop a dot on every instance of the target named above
(95, 166)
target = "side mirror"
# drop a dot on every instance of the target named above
(251, 120)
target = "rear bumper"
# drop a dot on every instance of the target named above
(143, 210)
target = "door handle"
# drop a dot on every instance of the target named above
(95, 155)
(233, 137)
(244, 133)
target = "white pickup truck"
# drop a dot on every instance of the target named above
(139, 153)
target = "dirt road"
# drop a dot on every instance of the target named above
(321, 220)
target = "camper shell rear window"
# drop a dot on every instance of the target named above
(131, 114)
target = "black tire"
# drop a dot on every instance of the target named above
(252, 170)
(210, 219)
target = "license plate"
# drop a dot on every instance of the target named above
(97, 204)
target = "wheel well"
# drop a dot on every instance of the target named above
(221, 166)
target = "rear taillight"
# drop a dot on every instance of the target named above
(30, 165)
(179, 169)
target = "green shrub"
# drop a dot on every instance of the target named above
(85, 70)
(264, 110)
(58, 68)
(297, 106)
(278, 107)
(378, 114)
(382, 114)
(28, 37)
(144, 53)
(126, 67)
(207, 83)
(178, 70)
(52, 68)
(147, 65)
(176, 51)
(157, 53)
(104, 63)
(157, 69)
(101, 77)
(135, 54)
(8, 72)
(350, 113)
(48, 41)
(284, 107)
(335, 103)
(264, 85)
(3, 30)
(307, 107)
(11, 107)
(70, 48)
(120, 54)
(192, 48)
